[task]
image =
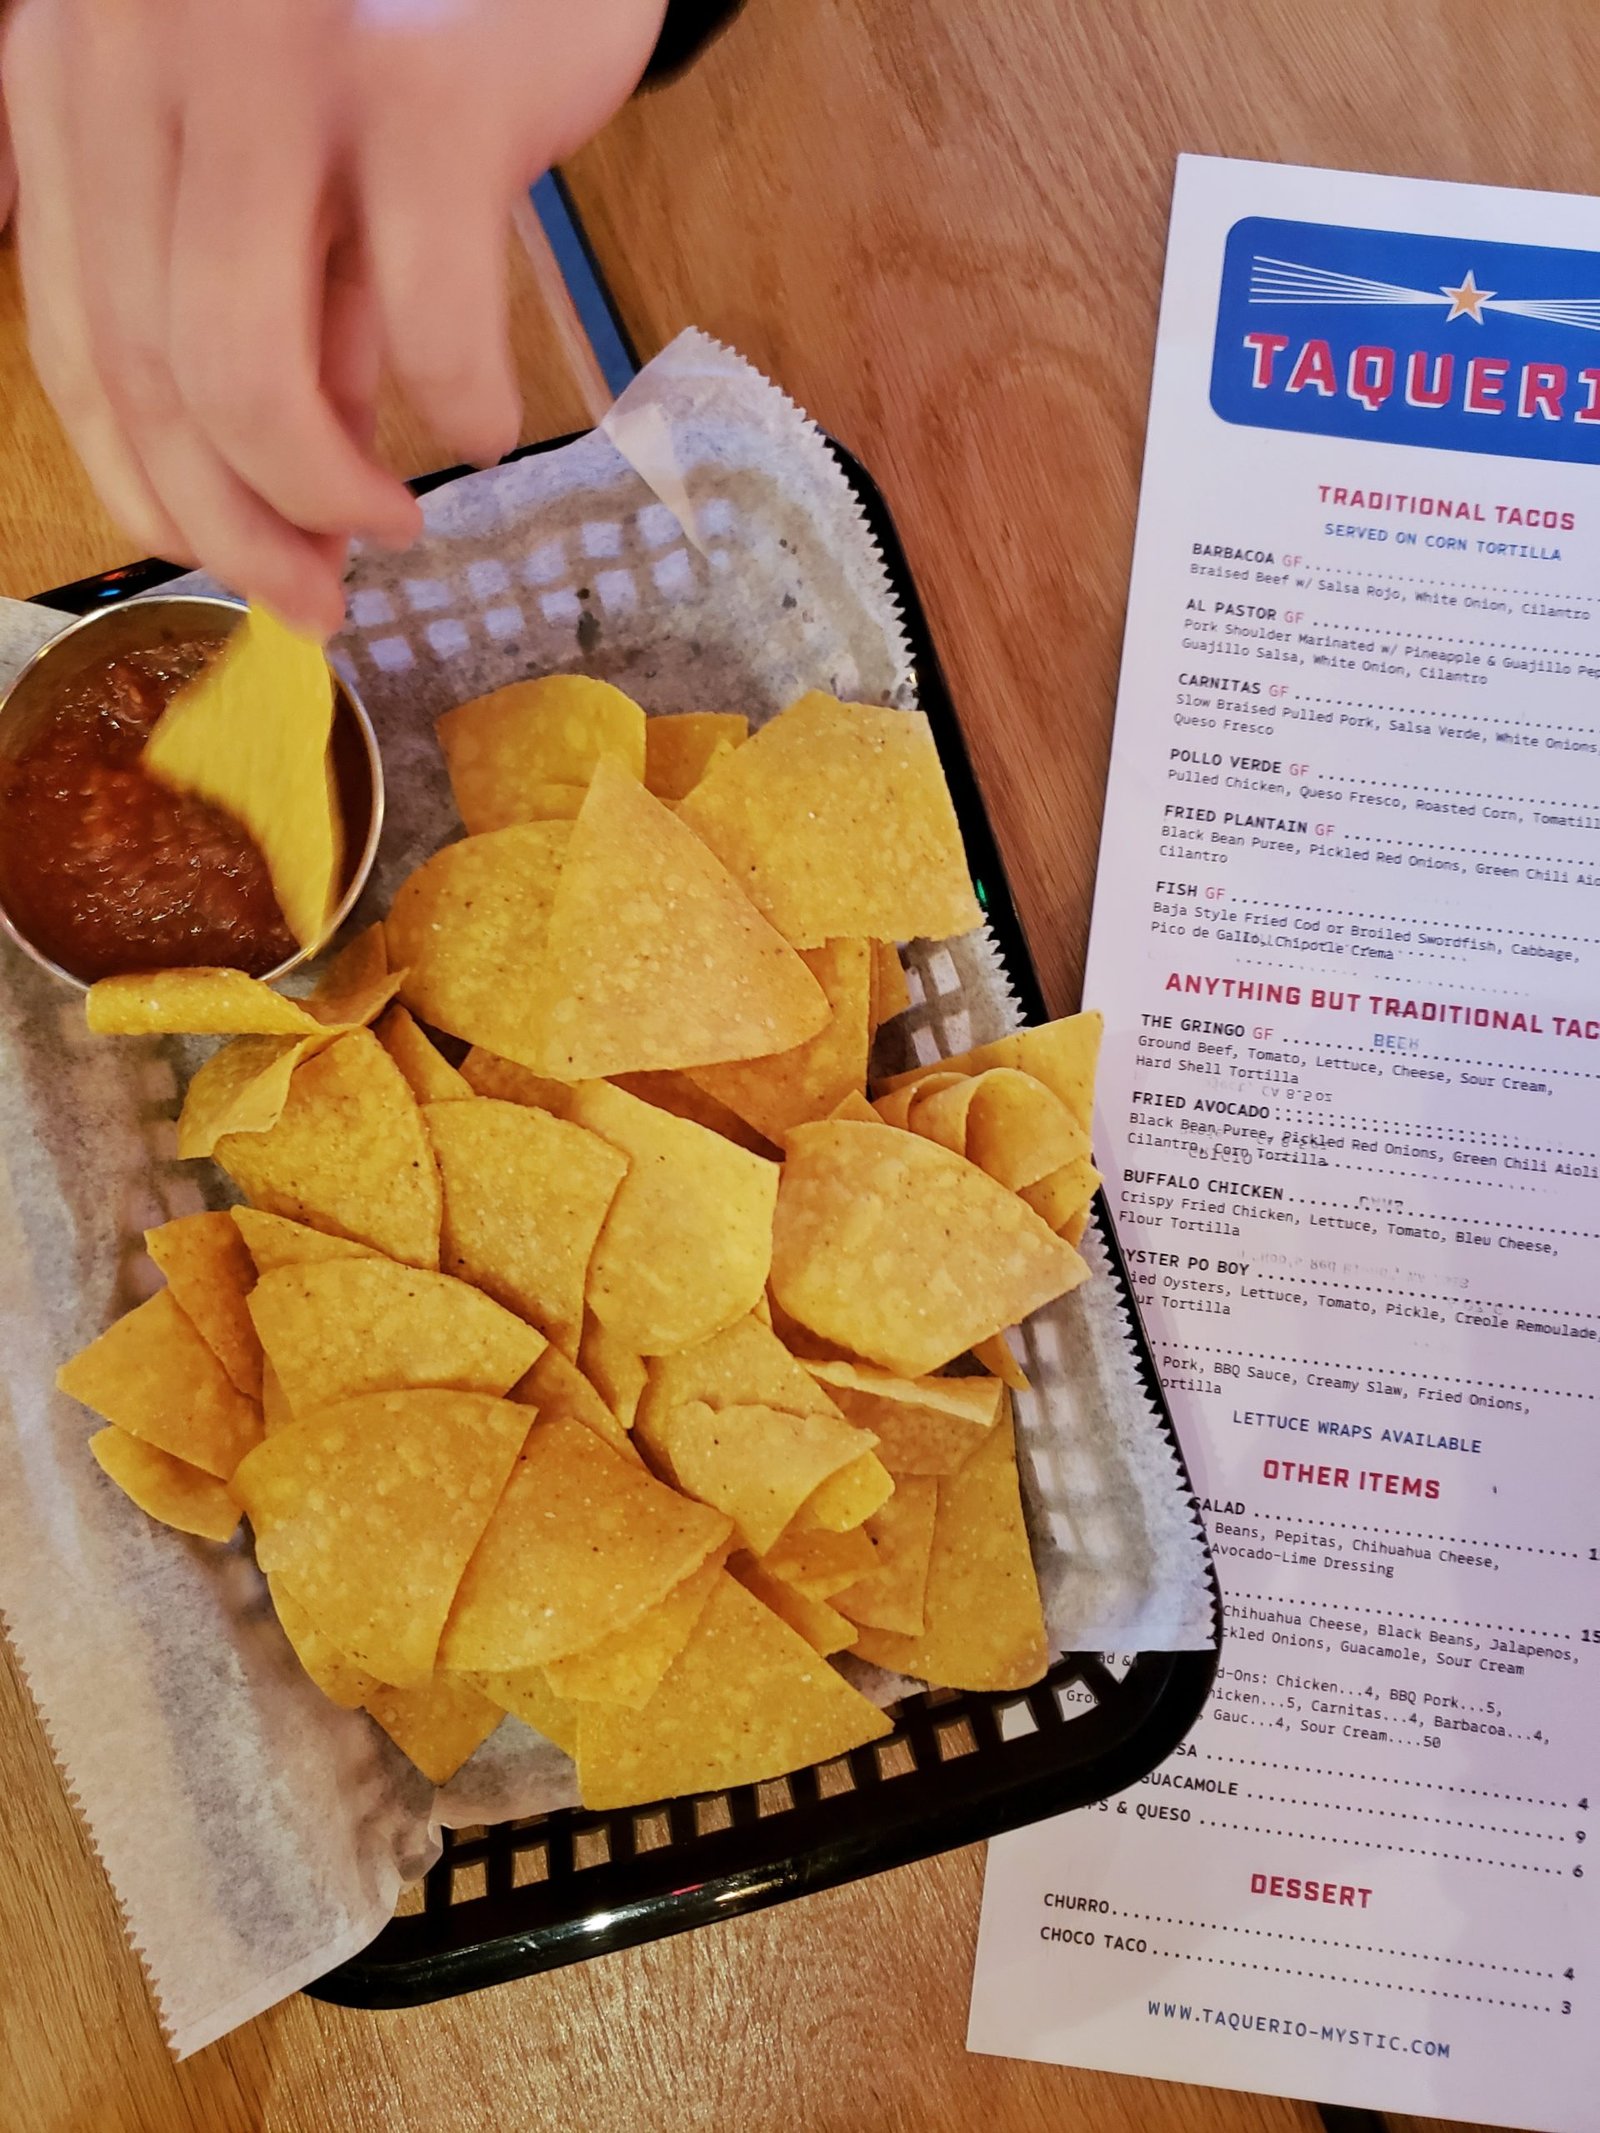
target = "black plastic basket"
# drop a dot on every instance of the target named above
(524, 1896)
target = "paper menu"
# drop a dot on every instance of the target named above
(1347, 940)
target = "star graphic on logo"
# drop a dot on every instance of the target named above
(1468, 300)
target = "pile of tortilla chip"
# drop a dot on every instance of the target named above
(588, 1345)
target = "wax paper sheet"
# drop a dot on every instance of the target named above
(702, 550)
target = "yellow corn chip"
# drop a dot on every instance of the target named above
(581, 1544)
(746, 1699)
(1004, 1121)
(856, 1108)
(273, 1241)
(923, 1425)
(1073, 1228)
(1060, 1054)
(436, 1726)
(681, 1095)
(551, 803)
(1064, 1195)
(758, 1464)
(152, 1375)
(836, 820)
(849, 1498)
(240, 1089)
(679, 747)
(822, 1626)
(200, 1002)
(810, 1080)
(744, 1365)
(820, 1564)
(506, 749)
(349, 1155)
(629, 1666)
(899, 1251)
(893, 1595)
(996, 1356)
(429, 1075)
(358, 969)
(616, 1371)
(894, 1109)
(251, 734)
(275, 1408)
(687, 1243)
(527, 1695)
(555, 1386)
(469, 929)
(654, 958)
(210, 1274)
(166, 1488)
(487, 1075)
(524, 1197)
(339, 1680)
(983, 1626)
(891, 995)
(370, 1509)
(352, 1326)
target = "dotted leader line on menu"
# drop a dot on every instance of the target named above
(1464, 792)
(1363, 1288)
(1380, 1844)
(1400, 1814)
(1314, 1940)
(1455, 585)
(1356, 703)
(1506, 1629)
(1539, 1229)
(1513, 1066)
(1395, 1370)
(1473, 925)
(1513, 1799)
(1332, 1977)
(1293, 1115)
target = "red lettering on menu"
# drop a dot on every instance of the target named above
(1349, 1896)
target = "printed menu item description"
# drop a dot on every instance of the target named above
(1347, 941)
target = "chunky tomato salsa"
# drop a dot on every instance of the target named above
(103, 869)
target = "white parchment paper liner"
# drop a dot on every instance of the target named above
(704, 552)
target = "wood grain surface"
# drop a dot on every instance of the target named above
(940, 226)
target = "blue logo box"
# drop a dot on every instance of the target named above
(1442, 342)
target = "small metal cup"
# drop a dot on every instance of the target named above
(174, 618)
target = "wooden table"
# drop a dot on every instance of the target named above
(940, 225)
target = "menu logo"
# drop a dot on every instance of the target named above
(1434, 341)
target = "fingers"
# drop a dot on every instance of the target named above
(248, 284)
(352, 349)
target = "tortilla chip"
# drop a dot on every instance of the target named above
(679, 1094)
(251, 734)
(996, 1356)
(487, 1075)
(469, 928)
(819, 1564)
(351, 1326)
(555, 1386)
(837, 822)
(758, 1464)
(527, 1695)
(524, 1197)
(581, 1545)
(1061, 1054)
(654, 958)
(849, 1498)
(275, 1408)
(240, 1089)
(370, 1509)
(856, 1108)
(823, 1627)
(899, 1251)
(429, 1075)
(349, 1155)
(746, 1699)
(813, 1078)
(744, 1365)
(687, 1243)
(152, 1375)
(894, 1109)
(891, 995)
(893, 1595)
(339, 1680)
(1063, 1196)
(210, 1273)
(983, 1628)
(551, 803)
(504, 749)
(616, 1371)
(437, 1726)
(1004, 1121)
(360, 965)
(273, 1241)
(166, 1488)
(199, 1002)
(679, 747)
(629, 1667)
(923, 1425)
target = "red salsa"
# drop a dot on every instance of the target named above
(105, 870)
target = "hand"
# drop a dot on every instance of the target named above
(234, 211)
